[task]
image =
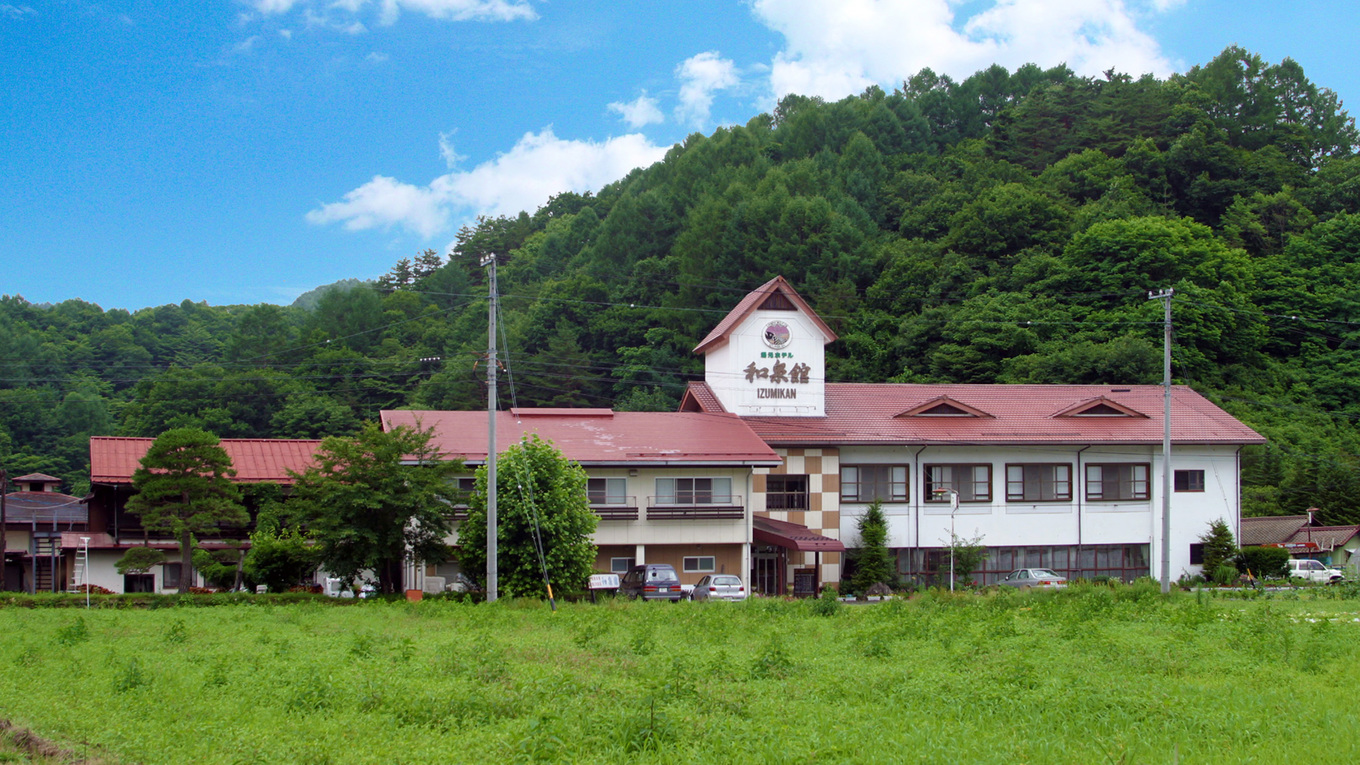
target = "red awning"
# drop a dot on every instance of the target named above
(793, 536)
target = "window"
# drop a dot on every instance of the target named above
(1196, 553)
(972, 482)
(866, 483)
(621, 565)
(169, 576)
(139, 583)
(466, 486)
(695, 564)
(1116, 482)
(607, 491)
(693, 491)
(1038, 483)
(786, 492)
(1188, 480)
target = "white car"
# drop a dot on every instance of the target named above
(1313, 571)
(719, 587)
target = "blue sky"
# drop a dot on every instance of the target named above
(246, 151)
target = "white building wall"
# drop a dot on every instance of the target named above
(918, 523)
(725, 368)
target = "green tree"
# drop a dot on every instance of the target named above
(280, 558)
(183, 487)
(1219, 546)
(967, 554)
(540, 497)
(139, 560)
(374, 499)
(873, 561)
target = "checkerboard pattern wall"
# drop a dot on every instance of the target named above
(823, 469)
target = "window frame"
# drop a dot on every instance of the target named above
(628, 563)
(1134, 481)
(788, 499)
(931, 485)
(607, 497)
(698, 568)
(170, 574)
(1058, 496)
(1190, 475)
(858, 480)
(691, 496)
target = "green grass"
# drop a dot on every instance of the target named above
(1089, 675)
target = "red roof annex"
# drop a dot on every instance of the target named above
(257, 460)
(869, 413)
(598, 436)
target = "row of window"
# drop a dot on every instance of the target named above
(692, 564)
(1029, 482)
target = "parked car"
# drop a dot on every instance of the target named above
(651, 581)
(719, 587)
(1313, 571)
(1025, 578)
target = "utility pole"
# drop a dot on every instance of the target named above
(492, 574)
(1165, 297)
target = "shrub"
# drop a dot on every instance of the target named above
(1264, 562)
(1225, 574)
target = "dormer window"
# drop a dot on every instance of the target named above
(1100, 407)
(943, 406)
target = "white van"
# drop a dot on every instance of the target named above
(1313, 571)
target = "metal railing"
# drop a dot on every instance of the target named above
(695, 505)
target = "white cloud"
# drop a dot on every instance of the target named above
(460, 10)
(834, 49)
(640, 112)
(383, 202)
(539, 166)
(246, 45)
(390, 10)
(446, 150)
(700, 77)
(16, 11)
(376, 57)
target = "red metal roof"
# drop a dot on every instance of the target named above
(750, 303)
(257, 460)
(792, 536)
(599, 436)
(869, 413)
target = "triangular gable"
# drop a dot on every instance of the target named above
(776, 295)
(700, 398)
(1100, 407)
(943, 406)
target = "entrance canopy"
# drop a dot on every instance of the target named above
(793, 536)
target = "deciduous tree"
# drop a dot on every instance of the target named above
(372, 500)
(541, 498)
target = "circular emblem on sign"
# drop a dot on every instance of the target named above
(776, 334)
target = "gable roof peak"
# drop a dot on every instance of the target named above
(776, 294)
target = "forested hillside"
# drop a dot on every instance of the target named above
(1007, 228)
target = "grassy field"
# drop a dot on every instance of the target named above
(1090, 675)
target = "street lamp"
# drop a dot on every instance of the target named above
(953, 540)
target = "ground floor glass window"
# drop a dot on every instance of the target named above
(929, 566)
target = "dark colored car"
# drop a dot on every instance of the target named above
(651, 581)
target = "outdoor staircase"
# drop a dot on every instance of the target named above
(44, 549)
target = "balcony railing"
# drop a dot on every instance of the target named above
(615, 508)
(696, 506)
